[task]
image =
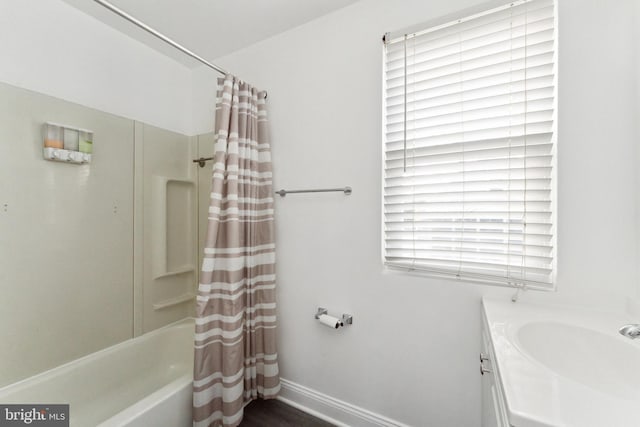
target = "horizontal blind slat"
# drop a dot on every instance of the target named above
(415, 219)
(477, 265)
(515, 52)
(508, 79)
(502, 132)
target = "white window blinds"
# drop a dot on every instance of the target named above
(469, 145)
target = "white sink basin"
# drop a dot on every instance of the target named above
(606, 363)
(563, 366)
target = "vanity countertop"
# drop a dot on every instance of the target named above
(564, 366)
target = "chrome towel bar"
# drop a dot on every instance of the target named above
(346, 190)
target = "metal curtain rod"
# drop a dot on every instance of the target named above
(159, 35)
(345, 190)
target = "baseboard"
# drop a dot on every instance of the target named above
(330, 409)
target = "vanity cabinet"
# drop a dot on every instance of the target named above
(493, 406)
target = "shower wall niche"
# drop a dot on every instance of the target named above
(178, 255)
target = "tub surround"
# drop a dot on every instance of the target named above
(66, 236)
(563, 366)
(89, 229)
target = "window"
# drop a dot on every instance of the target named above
(469, 147)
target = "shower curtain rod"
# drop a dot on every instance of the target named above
(159, 35)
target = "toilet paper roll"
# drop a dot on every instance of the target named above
(330, 321)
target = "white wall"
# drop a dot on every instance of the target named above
(412, 352)
(53, 48)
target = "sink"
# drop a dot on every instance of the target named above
(597, 360)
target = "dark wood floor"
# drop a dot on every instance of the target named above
(273, 413)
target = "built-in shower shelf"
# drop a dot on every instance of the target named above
(182, 270)
(173, 301)
(172, 226)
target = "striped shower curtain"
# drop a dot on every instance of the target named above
(235, 341)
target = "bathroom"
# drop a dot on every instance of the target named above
(94, 255)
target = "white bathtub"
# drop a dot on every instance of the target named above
(145, 381)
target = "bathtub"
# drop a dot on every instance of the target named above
(145, 381)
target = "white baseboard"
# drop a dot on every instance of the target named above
(330, 409)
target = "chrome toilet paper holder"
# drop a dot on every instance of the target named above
(320, 312)
(346, 319)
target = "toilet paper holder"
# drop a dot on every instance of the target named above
(347, 319)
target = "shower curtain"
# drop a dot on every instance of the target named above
(235, 343)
